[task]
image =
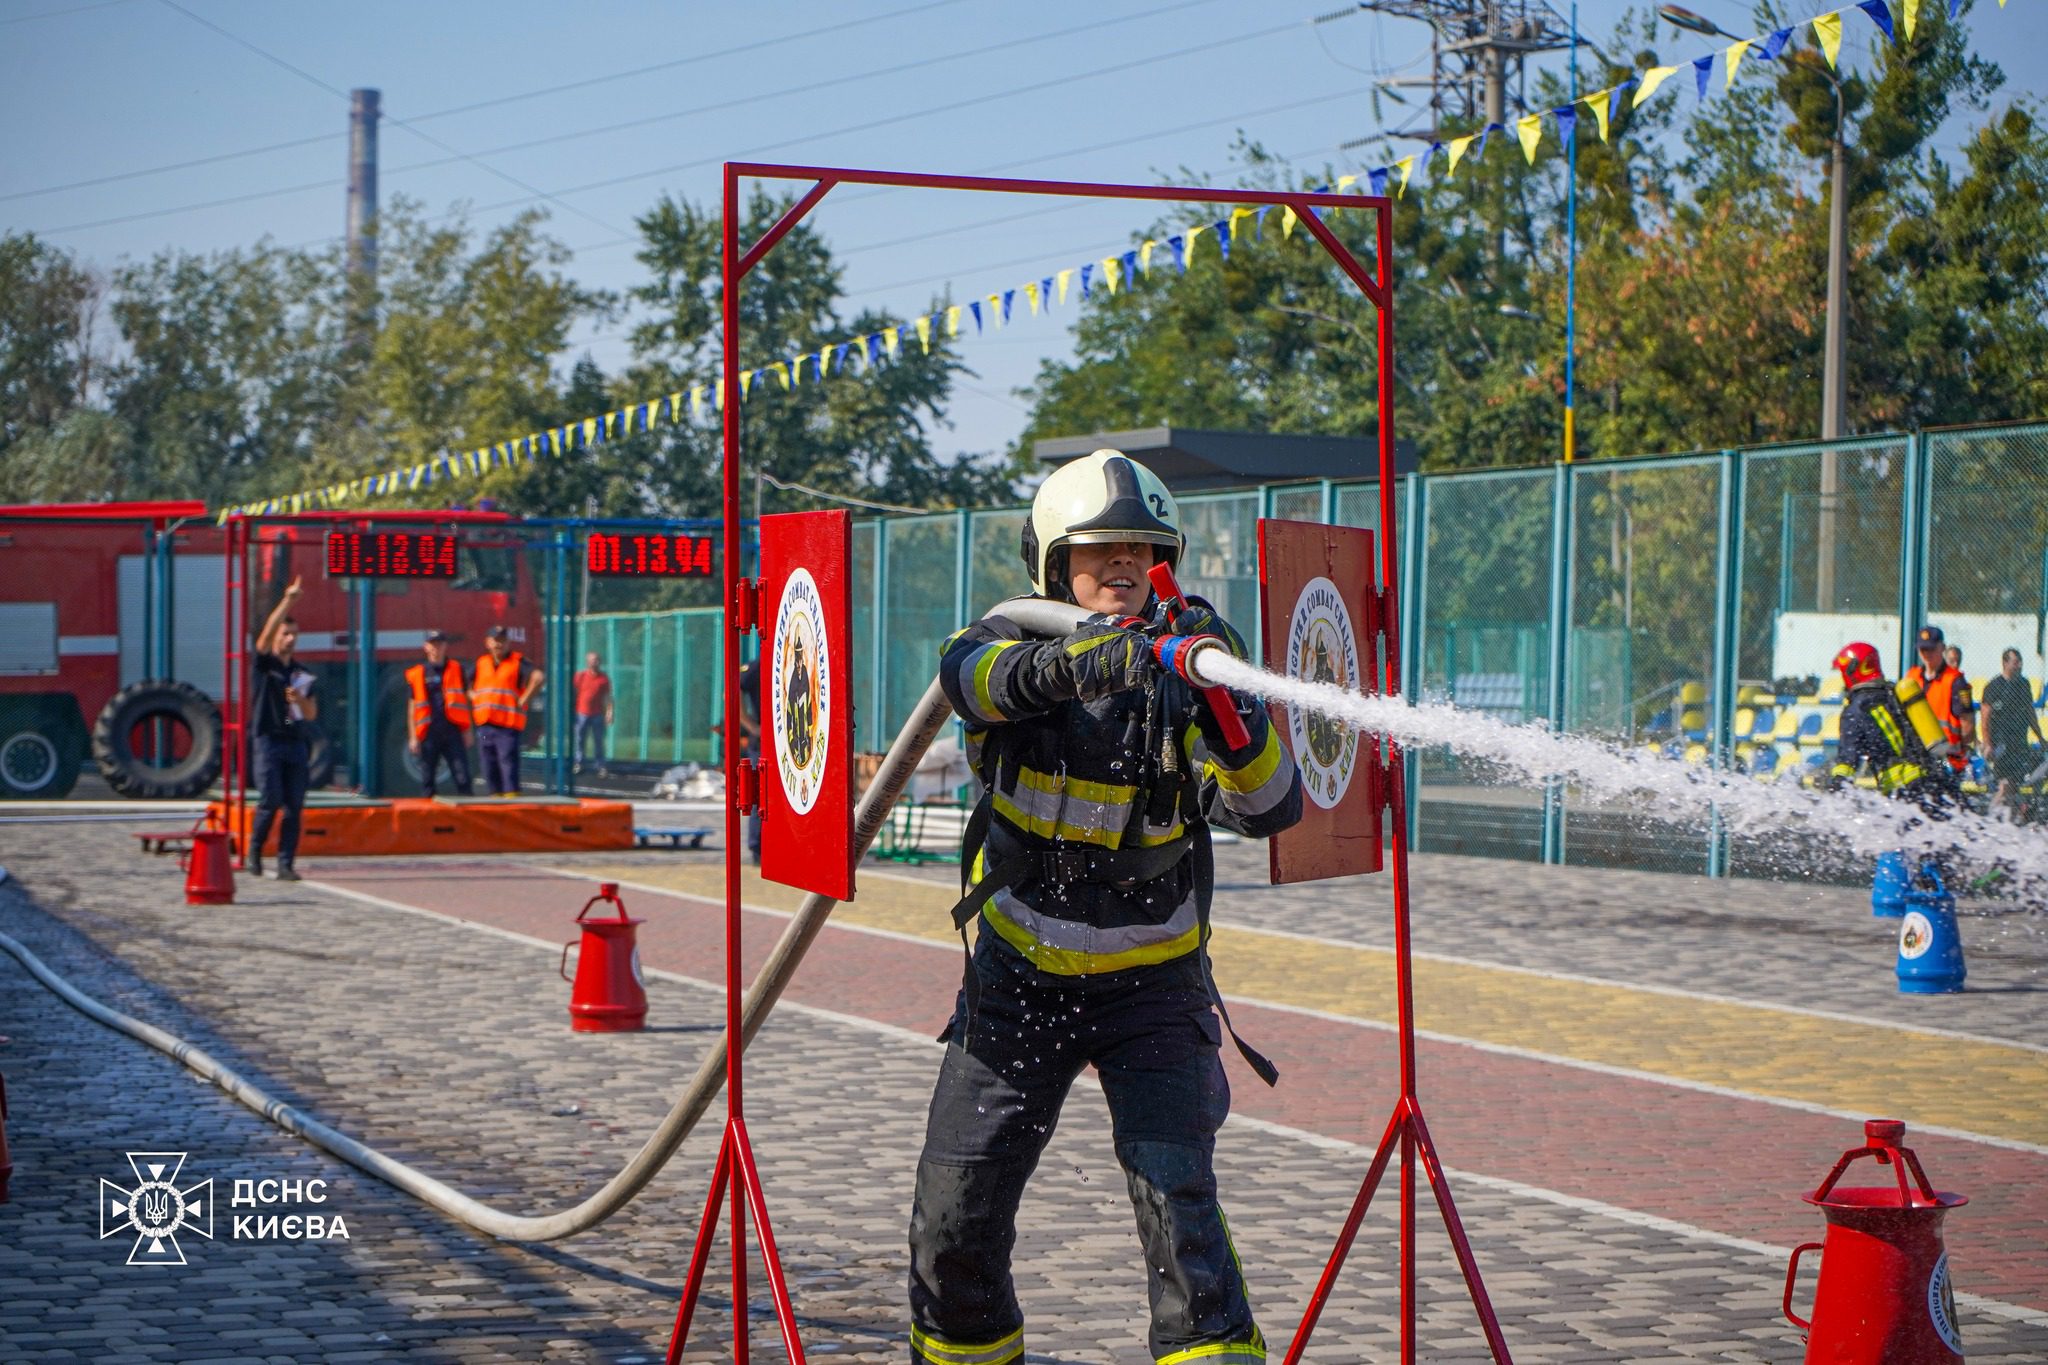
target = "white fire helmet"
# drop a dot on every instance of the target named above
(1102, 499)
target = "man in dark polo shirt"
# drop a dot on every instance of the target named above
(281, 706)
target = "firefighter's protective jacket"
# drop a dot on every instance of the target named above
(1875, 732)
(1109, 794)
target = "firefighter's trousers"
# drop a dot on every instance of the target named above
(1153, 1039)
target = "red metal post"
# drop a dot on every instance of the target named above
(1407, 1123)
(234, 783)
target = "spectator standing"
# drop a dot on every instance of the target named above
(2004, 723)
(439, 715)
(1948, 692)
(503, 687)
(281, 706)
(593, 711)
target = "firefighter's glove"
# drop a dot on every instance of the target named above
(1099, 657)
(1198, 618)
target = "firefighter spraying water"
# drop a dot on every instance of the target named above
(1088, 864)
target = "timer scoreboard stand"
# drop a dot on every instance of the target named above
(647, 554)
(391, 554)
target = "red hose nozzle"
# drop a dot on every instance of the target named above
(1220, 704)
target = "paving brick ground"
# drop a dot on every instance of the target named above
(448, 1047)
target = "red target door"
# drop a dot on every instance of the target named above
(807, 702)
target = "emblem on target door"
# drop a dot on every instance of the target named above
(1321, 648)
(799, 695)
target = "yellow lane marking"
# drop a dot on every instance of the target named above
(1980, 1087)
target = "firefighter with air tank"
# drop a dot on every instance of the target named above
(1899, 743)
(1089, 867)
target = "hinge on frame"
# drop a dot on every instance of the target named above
(746, 605)
(1387, 609)
(749, 785)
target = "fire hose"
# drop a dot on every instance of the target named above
(1036, 615)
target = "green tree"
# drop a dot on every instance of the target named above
(230, 372)
(867, 436)
(48, 306)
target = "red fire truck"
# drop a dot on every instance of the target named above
(111, 640)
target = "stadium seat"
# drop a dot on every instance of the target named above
(1813, 723)
(1831, 728)
(1789, 761)
(1786, 728)
(1692, 694)
(1745, 723)
(1695, 753)
(1830, 687)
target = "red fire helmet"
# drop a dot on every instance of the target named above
(1858, 663)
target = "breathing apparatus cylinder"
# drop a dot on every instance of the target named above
(1912, 695)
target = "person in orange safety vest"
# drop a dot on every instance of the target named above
(438, 716)
(501, 688)
(1948, 692)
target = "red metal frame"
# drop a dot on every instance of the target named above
(735, 1154)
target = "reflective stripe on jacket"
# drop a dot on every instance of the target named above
(454, 701)
(494, 696)
(1112, 777)
(1875, 732)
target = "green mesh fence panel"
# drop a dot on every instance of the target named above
(920, 598)
(1987, 547)
(1222, 560)
(1820, 559)
(1644, 597)
(867, 642)
(628, 665)
(1358, 504)
(1485, 599)
(666, 681)
(1297, 502)
(995, 563)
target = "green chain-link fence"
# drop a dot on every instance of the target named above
(1704, 596)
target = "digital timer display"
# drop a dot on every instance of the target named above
(632, 554)
(390, 554)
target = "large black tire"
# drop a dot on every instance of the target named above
(42, 747)
(128, 772)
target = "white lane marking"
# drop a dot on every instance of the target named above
(1514, 1188)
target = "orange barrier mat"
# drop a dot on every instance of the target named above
(421, 826)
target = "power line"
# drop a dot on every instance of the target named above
(173, 166)
(60, 13)
(718, 107)
(927, 112)
(792, 487)
(429, 138)
(218, 157)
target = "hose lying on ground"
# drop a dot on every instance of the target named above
(1035, 615)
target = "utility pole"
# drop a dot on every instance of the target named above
(362, 210)
(1834, 383)
(1473, 44)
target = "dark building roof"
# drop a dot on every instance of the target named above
(1190, 458)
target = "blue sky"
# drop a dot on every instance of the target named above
(1074, 89)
